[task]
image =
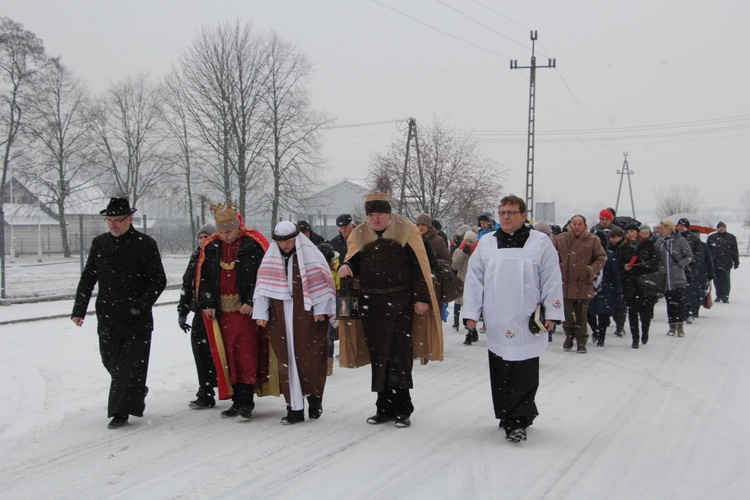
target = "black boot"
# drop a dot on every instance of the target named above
(644, 334)
(455, 322)
(635, 340)
(468, 339)
(600, 340)
(474, 335)
(315, 406)
(293, 416)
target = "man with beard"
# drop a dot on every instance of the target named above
(127, 265)
(387, 254)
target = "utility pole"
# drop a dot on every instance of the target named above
(530, 142)
(411, 133)
(625, 171)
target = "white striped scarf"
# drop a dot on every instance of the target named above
(317, 280)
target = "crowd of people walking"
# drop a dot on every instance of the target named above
(266, 315)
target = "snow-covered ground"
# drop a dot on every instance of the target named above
(665, 421)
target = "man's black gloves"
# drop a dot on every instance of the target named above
(182, 321)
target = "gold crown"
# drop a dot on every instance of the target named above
(377, 197)
(224, 211)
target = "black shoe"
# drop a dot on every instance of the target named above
(455, 324)
(474, 335)
(644, 338)
(635, 344)
(246, 411)
(600, 342)
(315, 407)
(293, 416)
(202, 403)
(469, 336)
(379, 418)
(516, 435)
(117, 421)
(232, 412)
(402, 421)
(594, 335)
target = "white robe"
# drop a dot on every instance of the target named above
(506, 285)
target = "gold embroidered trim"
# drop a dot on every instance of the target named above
(227, 265)
(230, 303)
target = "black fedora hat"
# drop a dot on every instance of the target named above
(117, 206)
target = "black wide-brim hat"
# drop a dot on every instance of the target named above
(118, 206)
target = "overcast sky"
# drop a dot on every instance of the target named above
(664, 81)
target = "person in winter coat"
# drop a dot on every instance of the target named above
(439, 250)
(334, 260)
(694, 295)
(486, 224)
(460, 264)
(228, 268)
(726, 256)
(458, 237)
(306, 229)
(607, 293)
(581, 258)
(294, 296)
(637, 258)
(620, 314)
(204, 363)
(399, 309)
(509, 275)
(606, 217)
(127, 265)
(345, 225)
(706, 273)
(674, 258)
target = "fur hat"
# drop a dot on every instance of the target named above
(377, 203)
(471, 236)
(543, 226)
(486, 216)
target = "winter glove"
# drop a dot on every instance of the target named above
(466, 248)
(182, 321)
(737, 265)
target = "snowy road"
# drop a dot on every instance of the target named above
(665, 421)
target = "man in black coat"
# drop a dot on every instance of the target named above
(204, 363)
(693, 294)
(345, 225)
(726, 256)
(128, 268)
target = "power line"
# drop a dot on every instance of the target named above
(441, 31)
(483, 25)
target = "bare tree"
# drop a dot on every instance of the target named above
(292, 157)
(124, 126)
(677, 200)
(222, 77)
(21, 56)
(176, 119)
(57, 130)
(451, 181)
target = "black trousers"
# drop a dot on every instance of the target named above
(204, 363)
(514, 385)
(125, 351)
(722, 283)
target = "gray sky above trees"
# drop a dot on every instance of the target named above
(663, 81)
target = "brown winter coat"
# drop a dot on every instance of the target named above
(581, 259)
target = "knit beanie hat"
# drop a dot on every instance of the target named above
(606, 214)
(207, 229)
(424, 219)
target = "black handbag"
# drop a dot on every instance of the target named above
(651, 283)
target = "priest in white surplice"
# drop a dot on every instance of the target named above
(509, 274)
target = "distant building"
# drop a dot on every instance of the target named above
(322, 208)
